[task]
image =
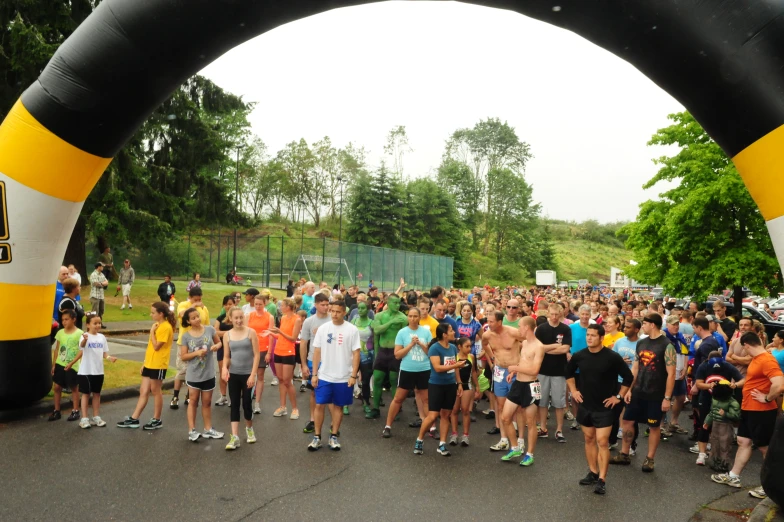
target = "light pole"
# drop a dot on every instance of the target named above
(340, 233)
(237, 203)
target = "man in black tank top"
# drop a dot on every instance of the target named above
(651, 393)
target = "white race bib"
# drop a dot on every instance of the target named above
(498, 373)
(536, 390)
(448, 361)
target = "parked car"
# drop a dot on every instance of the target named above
(772, 325)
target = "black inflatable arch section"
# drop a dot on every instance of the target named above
(722, 60)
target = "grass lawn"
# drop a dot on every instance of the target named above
(122, 373)
(144, 293)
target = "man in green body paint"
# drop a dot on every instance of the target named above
(385, 326)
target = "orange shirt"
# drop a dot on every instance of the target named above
(761, 369)
(260, 322)
(283, 346)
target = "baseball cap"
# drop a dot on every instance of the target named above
(251, 291)
(711, 318)
(671, 319)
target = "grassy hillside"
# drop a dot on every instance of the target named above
(581, 259)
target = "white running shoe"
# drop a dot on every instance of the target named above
(275, 381)
(84, 423)
(701, 459)
(212, 434)
(464, 441)
(334, 445)
(250, 434)
(97, 421)
(256, 408)
(234, 443)
(193, 435)
(503, 445)
(222, 400)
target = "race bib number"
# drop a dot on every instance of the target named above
(536, 390)
(448, 361)
(498, 374)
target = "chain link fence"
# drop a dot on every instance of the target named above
(270, 261)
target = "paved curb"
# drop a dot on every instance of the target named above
(767, 511)
(132, 331)
(128, 342)
(45, 407)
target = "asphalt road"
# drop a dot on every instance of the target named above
(58, 471)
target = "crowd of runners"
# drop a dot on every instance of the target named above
(604, 361)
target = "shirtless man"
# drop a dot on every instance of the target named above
(501, 345)
(525, 392)
(385, 327)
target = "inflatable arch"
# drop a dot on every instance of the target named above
(724, 61)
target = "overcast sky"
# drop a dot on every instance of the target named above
(355, 73)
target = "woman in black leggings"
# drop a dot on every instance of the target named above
(241, 357)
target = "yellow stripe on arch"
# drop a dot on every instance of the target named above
(26, 311)
(35, 157)
(761, 165)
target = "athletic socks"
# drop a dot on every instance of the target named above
(176, 394)
(520, 443)
(733, 475)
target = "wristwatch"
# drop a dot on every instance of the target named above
(667, 398)
(618, 396)
(767, 400)
(354, 377)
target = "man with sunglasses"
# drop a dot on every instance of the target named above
(512, 317)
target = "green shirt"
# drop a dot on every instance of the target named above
(69, 347)
(272, 308)
(514, 324)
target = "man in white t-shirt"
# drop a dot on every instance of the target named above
(335, 366)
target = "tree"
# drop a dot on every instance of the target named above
(303, 184)
(258, 180)
(489, 146)
(396, 148)
(374, 209)
(512, 215)
(457, 179)
(706, 233)
(327, 169)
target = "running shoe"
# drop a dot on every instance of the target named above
(416, 423)
(758, 493)
(346, 411)
(74, 416)
(542, 434)
(366, 409)
(357, 393)
(84, 423)
(221, 401)
(212, 433)
(334, 445)
(386, 432)
(724, 478)
(309, 427)
(600, 488)
(280, 412)
(701, 459)
(374, 414)
(295, 414)
(234, 443)
(303, 388)
(98, 422)
(464, 441)
(298, 374)
(193, 435)
(275, 381)
(433, 433)
(315, 444)
(647, 465)
(621, 459)
(559, 437)
(574, 425)
(527, 460)
(589, 479)
(665, 434)
(153, 424)
(695, 449)
(494, 431)
(187, 401)
(632, 452)
(620, 434)
(56, 415)
(568, 415)
(502, 445)
(489, 414)
(256, 407)
(419, 447)
(453, 439)
(250, 435)
(443, 451)
(513, 454)
(175, 403)
(129, 422)
(473, 417)
(676, 428)
(614, 446)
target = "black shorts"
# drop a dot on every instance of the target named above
(489, 375)
(595, 419)
(262, 359)
(90, 384)
(441, 396)
(207, 385)
(286, 359)
(220, 353)
(525, 394)
(644, 411)
(65, 378)
(386, 361)
(413, 380)
(152, 373)
(757, 426)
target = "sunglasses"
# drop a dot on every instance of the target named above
(511, 308)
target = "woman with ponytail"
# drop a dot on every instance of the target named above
(156, 362)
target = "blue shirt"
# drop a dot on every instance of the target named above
(625, 348)
(59, 292)
(416, 359)
(779, 355)
(449, 320)
(467, 330)
(579, 341)
(446, 356)
(307, 303)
